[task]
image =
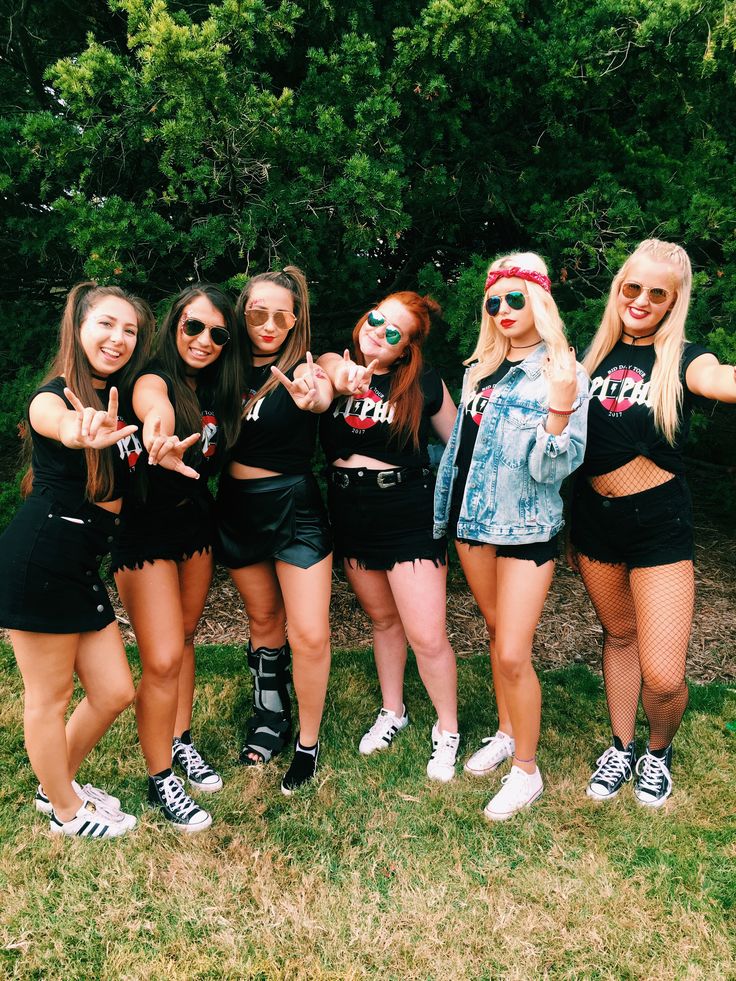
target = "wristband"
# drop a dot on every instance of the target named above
(561, 412)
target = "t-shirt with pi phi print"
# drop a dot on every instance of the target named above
(620, 418)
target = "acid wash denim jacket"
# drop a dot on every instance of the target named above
(512, 495)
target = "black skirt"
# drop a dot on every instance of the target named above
(173, 531)
(50, 556)
(279, 517)
(376, 523)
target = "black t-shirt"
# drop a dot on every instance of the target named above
(275, 434)
(472, 415)
(159, 486)
(63, 470)
(620, 419)
(363, 425)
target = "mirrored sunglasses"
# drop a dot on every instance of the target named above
(258, 316)
(219, 335)
(515, 299)
(392, 333)
(656, 294)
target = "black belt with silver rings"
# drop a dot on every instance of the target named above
(380, 478)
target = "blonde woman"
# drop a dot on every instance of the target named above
(520, 430)
(631, 520)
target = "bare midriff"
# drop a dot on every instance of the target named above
(113, 506)
(241, 471)
(357, 460)
(637, 475)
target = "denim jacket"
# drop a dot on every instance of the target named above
(512, 495)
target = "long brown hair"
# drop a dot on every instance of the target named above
(406, 385)
(298, 340)
(72, 364)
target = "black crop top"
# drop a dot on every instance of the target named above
(275, 434)
(159, 486)
(620, 420)
(363, 425)
(62, 470)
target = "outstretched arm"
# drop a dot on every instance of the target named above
(151, 404)
(81, 427)
(311, 389)
(707, 377)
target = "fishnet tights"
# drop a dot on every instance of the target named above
(646, 616)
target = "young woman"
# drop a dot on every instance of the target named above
(273, 534)
(52, 599)
(631, 517)
(163, 560)
(380, 489)
(520, 431)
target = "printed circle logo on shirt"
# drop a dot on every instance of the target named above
(129, 447)
(366, 411)
(478, 403)
(209, 435)
(622, 388)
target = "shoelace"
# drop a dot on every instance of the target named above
(193, 762)
(516, 784)
(176, 798)
(383, 725)
(446, 749)
(612, 765)
(653, 773)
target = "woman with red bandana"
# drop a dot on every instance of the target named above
(631, 516)
(520, 430)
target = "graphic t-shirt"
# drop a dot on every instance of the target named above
(63, 470)
(362, 424)
(472, 415)
(275, 433)
(620, 418)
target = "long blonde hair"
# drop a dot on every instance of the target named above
(665, 391)
(492, 345)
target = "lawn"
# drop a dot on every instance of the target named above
(374, 872)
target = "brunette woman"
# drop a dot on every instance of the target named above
(52, 599)
(520, 430)
(273, 534)
(381, 489)
(163, 560)
(632, 518)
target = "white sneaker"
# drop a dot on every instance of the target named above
(518, 790)
(441, 764)
(382, 732)
(491, 755)
(91, 821)
(104, 801)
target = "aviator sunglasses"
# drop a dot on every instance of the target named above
(258, 316)
(219, 335)
(656, 294)
(392, 334)
(515, 299)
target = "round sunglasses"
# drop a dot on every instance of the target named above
(656, 294)
(392, 333)
(258, 316)
(515, 299)
(219, 335)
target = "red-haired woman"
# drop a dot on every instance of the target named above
(52, 599)
(380, 490)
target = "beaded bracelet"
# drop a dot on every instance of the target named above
(561, 412)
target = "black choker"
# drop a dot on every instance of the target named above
(639, 337)
(100, 378)
(523, 347)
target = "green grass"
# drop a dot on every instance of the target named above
(374, 872)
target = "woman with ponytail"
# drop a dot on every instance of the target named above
(272, 527)
(520, 431)
(380, 490)
(188, 403)
(52, 599)
(632, 531)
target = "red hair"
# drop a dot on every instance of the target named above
(406, 385)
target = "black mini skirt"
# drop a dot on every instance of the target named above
(173, 531)
(50, 557)
(279, 517)
(377, 523)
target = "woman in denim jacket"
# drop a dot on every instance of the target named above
(520, 430)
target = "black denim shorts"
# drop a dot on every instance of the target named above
(279, 517)
(651, 528)
(377, 524)
(50, 557)
(175, 531)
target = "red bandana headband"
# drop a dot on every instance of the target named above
(515, 272)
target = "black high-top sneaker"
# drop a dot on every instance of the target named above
(653, 778)
(167, 793)
(613, 770)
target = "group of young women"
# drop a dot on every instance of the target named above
(122, 443)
